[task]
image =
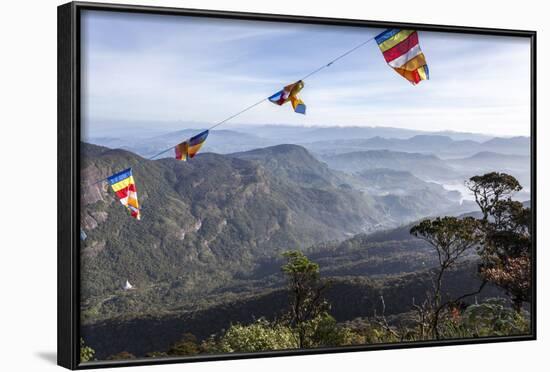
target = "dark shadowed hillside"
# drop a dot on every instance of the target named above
(350, 298)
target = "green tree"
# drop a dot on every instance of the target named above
(506, 249)
(306, 292)
(323, 331)
(507, 254)
(490, 188)
(451, 238)
(86, 352)
(493, 318)
(307, 323)
(490, 318)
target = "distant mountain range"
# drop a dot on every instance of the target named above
(421, 165)
(220, 141)
(280, 133)
(487, 161)
(450, 158)
(226, 213)
(442, 146)
(319, 140)
(449, 173)
(399, 196)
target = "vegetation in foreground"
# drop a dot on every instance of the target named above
(501, 239)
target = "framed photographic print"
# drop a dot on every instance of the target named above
(236, 185)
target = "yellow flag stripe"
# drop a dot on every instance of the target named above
(395, 39)
(194, 149)
(414, 63)
(123, 184)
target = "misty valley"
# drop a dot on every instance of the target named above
(224, 235)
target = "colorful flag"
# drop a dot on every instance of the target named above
(182, 150)
(289, 93)
(402, 52)
(125, 188)
(190, 148)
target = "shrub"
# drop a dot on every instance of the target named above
(86, 352)
(258, 336)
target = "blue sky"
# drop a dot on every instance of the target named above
(184, 69)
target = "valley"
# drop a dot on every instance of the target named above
(208, 250)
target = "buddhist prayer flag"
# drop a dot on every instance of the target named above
(402, 52)
(190, 148)
(290, 93)
(125, 188)
(182, 150)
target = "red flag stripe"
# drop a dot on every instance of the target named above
(401, 48)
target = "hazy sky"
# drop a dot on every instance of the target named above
(168, 68)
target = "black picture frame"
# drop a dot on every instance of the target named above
(68, 92)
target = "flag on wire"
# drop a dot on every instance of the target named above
(402, 52)
(124, 187)
(188, 149)
(289, 93)
(182, 150)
